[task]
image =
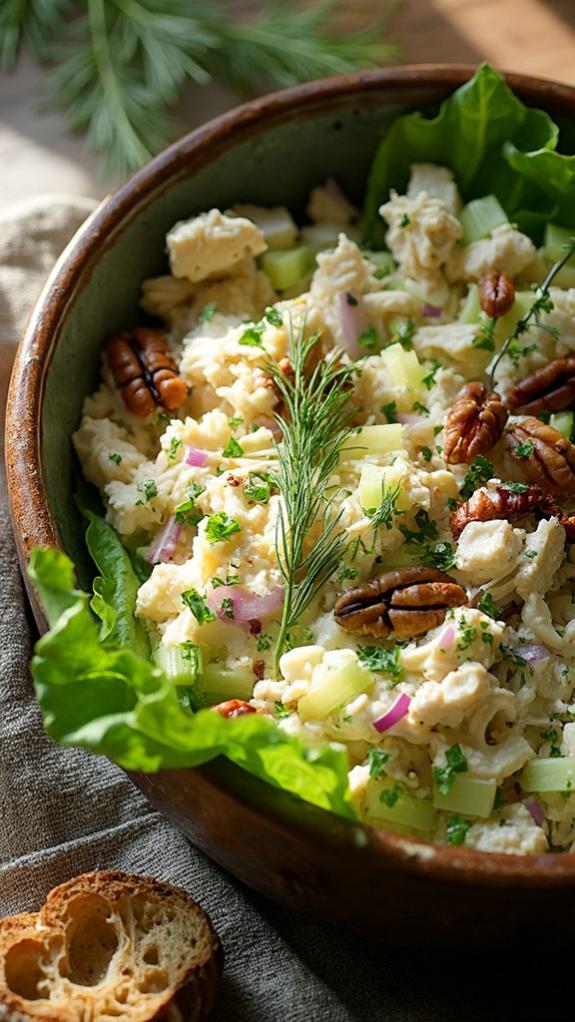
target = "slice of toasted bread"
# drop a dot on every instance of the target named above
(109, 947)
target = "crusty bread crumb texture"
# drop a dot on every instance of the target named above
(109, 947)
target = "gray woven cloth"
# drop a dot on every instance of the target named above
(63, 811)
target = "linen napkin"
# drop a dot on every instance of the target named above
(64, 811)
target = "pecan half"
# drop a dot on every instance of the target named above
(234, 708)
(144, 371)
(408, 601)
(503, 503)
(550, 388)
(474, 424)
(544, 455)
(496, 294)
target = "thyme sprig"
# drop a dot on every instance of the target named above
(310, 543)
(541, 304)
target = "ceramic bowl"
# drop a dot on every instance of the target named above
(268, 151)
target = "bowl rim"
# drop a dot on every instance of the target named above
(32, 519)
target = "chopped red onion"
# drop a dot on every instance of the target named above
(165, 543)
(334, 191)
(352, 319)
(407, 418)
(431, 311)
(393, 715)
(530, 652)
(245, 607)
(536, 810)
(195, 457)
(446, 638)
(267, 422)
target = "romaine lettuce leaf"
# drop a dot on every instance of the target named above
(113, 701)
(492, 142)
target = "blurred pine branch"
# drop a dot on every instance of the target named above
(119, 66)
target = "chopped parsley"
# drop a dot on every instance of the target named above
(377, 658)
(227, 606)
(229, 580)
(220, 527)
(429, 380)
(390, 795)
(418, 407)
(426, 529)
(452, 503)
(441, 556)
(369, 339)
(455, 763)
(173, 448)
(351, 299)
(376, 760)
(251, 338)
(403, 333)
(235, 421)
(188, 513)
(347, 574)
(273, 316)
(485, 339)
(233, 449)
(524, 450)
(426, 453)
(263, 642)
(456, 828)
(117, 458)
(208, 312)
(480, 470)
(405, 221)
(198, 606)
(281, 711)
(514, 487)
(488, 606)
(390, 411)
(515, 352)
(467, 633)
(149, 489)
(258, 487)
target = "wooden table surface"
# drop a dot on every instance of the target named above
(533, 36)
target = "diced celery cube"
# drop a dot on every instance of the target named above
(398, 807)
(384, 261)
(506, 324)
(338, 688)
(480, 217)
(375, 479)
(373, 440)
(285, 267)
(177, 664)
(555, 242)
(549, 773)
(471, 309)
(321, 236)
(563, 422)
(218, 682)
(276, 223)
(403, 367)
(469, 795)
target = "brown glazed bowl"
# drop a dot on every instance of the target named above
(268, 151)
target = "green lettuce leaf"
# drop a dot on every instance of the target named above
(116, 588)
(491, 141)
(113, 701)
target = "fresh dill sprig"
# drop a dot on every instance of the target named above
(541, 304)
(309, 541)
(121, 65)
(384, 513)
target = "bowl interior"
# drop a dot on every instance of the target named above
(276, 165)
